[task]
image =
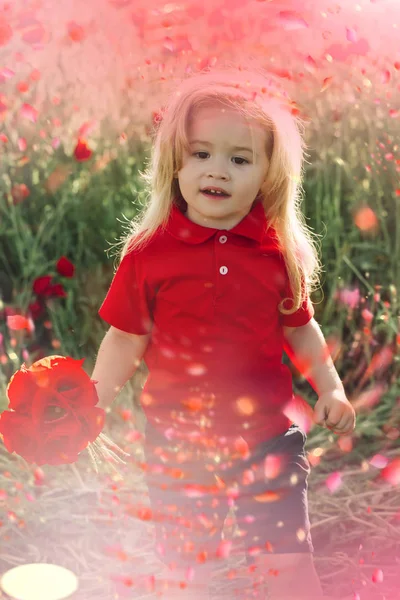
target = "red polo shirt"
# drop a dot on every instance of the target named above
(210, 299)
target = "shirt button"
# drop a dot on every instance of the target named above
(223, 239)
(223, 270)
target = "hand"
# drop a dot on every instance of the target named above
(335, 412)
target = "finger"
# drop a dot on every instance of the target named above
(342, 431)
(320, 414)
(344, 427)
(351, 426)
(341, 424)
(333, 423)
(335, 416)
(348, 421)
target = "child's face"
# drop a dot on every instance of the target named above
(220, 165)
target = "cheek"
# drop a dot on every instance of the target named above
(187, 172)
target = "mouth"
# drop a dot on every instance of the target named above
(213, 195)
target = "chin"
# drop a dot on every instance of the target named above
(213, 213)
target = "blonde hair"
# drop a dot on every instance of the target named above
(256, 96)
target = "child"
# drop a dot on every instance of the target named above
(213, 283)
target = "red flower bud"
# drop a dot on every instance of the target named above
(82, 151)
(42, 284)
(65, 267)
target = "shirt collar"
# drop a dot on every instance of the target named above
(252, 226)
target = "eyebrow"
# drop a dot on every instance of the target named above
(243, 148)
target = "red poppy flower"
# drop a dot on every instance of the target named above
(65, 267)
(57, 290)
(82, 151)
(29, 112)
(52, 412)
(19, 192)
(18, 322)
(42, 286)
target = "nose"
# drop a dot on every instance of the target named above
(217, 175)
(217, 171)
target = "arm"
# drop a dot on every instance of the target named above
(307, 349)
(118, 358)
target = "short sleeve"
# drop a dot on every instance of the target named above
(302, 316)
(127, 305)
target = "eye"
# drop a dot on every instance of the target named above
(235, 157)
